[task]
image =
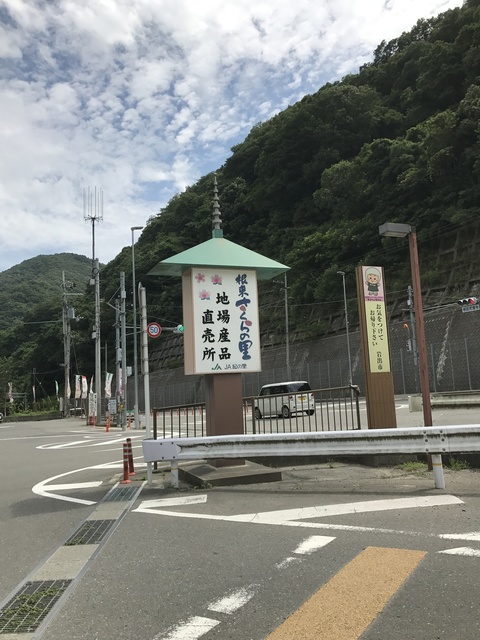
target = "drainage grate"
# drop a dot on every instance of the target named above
(91, 532)
(33, 602)
(121, 494)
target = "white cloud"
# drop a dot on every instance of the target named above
(141, 98)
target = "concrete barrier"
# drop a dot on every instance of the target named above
(415, 403)
(455, 399)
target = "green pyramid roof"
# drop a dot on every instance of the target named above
(219, 252)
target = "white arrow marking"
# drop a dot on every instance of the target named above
(475, 535)
(324, 511)
(290, 517)
(74, 485)
(41, 489)
(462, 551)
(147, 505)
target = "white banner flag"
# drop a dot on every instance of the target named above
(78, 387)
(84, 387)
(108, 385)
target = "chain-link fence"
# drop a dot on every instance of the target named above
(453, 351)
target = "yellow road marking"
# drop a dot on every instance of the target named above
(348, 603)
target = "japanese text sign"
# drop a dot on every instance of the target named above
(376, 319)
(226, 336)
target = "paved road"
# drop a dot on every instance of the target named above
(332, 552)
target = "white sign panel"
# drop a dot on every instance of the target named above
(225, 318)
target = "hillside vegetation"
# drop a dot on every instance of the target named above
(31, 318)
(397, 142)
(39, 279)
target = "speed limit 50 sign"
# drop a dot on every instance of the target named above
(154, 330)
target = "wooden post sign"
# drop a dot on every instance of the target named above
(375, 348)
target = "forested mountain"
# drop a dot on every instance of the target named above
(37, 280)
(397, 142)
(31, 318)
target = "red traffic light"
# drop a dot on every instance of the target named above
(466, 301)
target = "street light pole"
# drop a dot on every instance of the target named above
(135, 367)
(347, 330)
(420, 329)
(287, 331)
(395, 230)
(287, 336)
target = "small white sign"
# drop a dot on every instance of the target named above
(92, 404)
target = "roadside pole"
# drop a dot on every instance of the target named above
(145, 371)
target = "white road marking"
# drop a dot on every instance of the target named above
(325, 511)
(81, 444)
(313, 543)
(290, 517)
(30, 438)
(74, 485)
(286, 562)
(462, 551)
(233, 601)
(475, 535)
(197, 626)
(44, 488)
(192, 629)
(172, 502)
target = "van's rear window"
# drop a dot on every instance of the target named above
(301, 386)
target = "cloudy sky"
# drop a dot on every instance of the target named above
(140, 98)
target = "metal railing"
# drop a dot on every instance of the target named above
(335, 409)
(188, 420)
(433, 441)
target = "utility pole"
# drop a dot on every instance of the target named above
(411, 310)
(66, 346)
(93, 212)
(287, 336)
(347, 330)
(145, 368)
(118, 359)
(98, 351)
(123, 331)
(412, 324)
(135, 366)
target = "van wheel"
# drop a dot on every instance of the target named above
(258, 413)
(285, 412)
(310, 412)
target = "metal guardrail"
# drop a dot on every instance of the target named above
(413, 440)
(336, 409)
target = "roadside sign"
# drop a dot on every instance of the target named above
(154, 330)
(474, 307)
